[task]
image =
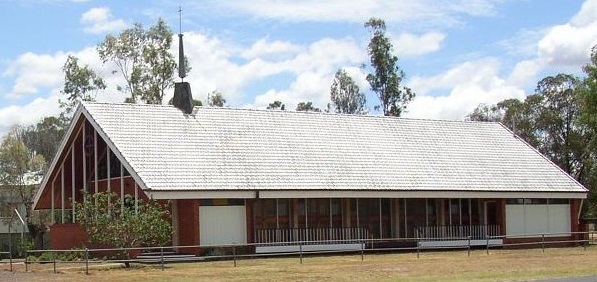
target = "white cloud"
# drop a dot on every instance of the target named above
(587, 14)
(557, 48)
(41, 75)
(456, 92)
(309, 86)
(472, 72)
(421, 11)
(314, 70)
(570, 44)
(408, 44)
(275, 49)
(524, 43)
(214, 67)
(525, 72)
(34, 71)
(27, 114)
(100, 20)
(213, 64)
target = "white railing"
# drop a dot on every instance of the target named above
(457, 231)
(311, 234)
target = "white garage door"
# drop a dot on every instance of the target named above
(537, 219)
(515, 220)
(222, 225)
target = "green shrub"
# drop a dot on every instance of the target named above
(45, 257)
(74, 255)
(25, 245)
(32, 258)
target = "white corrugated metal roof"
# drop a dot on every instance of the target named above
(239, 149)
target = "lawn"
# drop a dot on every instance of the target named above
(499, 265)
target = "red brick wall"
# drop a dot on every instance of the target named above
(188, 224)
(67, 236)
(575, 224)
(501, 214)
(249, 217)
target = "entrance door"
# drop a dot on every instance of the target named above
(222, 225)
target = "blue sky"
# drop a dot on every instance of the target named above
(456, 54)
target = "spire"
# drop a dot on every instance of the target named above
(181, 66)
(183, 99)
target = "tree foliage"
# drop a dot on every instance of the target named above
(143, 59)
(20, 171)
(563, 137)
(306, 107)
(215, 99)
(589, 96)
(18, 164)
(110, 220)
(484, 112)
(80, 83)
(387, 76)
(346, 96)
(549, 120)
(44, 137)
(276, 105)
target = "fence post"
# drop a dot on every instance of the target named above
(362, 250)
(162, 257)
(86, 261)
(10, 249)
(585, 240)
(487, 244)
(54, 261)
(543, 242)
(10, 258)
(234, 253)
(418, 247)
(301, 251)
(26, 261)
(469, 246)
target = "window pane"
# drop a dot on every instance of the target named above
(558, 201)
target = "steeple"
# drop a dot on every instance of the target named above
(183, 99)
(182, 73)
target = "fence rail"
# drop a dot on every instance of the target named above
(311, 234)
(457, 231)
(235, 252)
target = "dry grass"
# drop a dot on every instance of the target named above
(500, 265)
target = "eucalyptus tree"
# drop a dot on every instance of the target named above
(550, 121)
(276, 105)
(306, 107)
(216, 99)
(80, 83)
(485, 112)
(143, 59)
(387, 76)
(345, 95)
(20, 172)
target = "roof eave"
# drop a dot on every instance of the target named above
(362, 193)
